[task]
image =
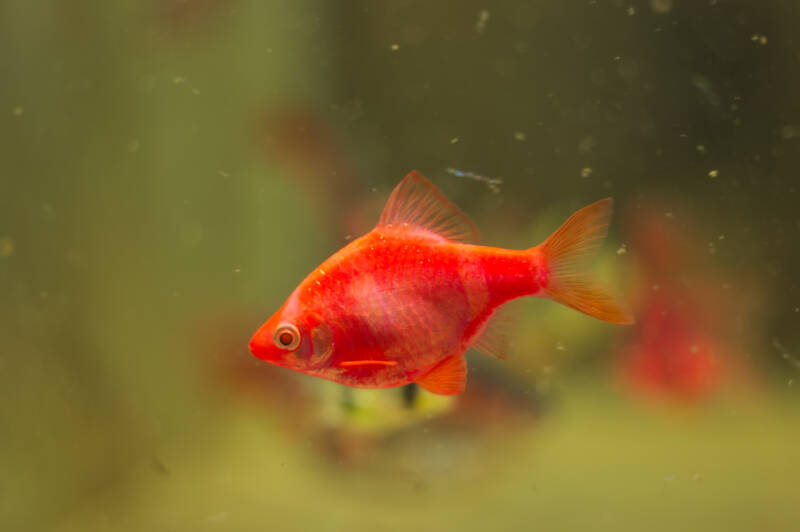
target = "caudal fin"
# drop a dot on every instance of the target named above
(565, 252)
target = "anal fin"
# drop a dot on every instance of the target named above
(449, 377)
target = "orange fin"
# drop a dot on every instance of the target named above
(417, 202)
(564, 253)
(449, 377)
(494, 339)
(347, 363)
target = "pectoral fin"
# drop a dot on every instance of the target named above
(449, 377)
(494, 339)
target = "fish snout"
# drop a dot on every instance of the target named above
(261, 344)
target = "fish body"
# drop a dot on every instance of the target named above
(403, 303)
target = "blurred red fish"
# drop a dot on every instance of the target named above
(404, 302)
(674, 352)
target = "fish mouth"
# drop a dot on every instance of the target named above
(261, 344)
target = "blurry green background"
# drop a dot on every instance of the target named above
(172, 168)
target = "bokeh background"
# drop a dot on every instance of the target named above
(171, 169)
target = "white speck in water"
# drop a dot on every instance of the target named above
(701, 148)
(586, 172)
(759, 39)
(492, 182)
(586, 144)
(453, 140)
(178, 80)
(17, 111)
(785, 354)
(669, 214)
(483, 18)
(790, 131)
(520, 136)
(237, 270)
(6, 246)
(713, 174)
(631, 11)
(223, 173)
(790, 383)
(560, 346)
(394, 47)
(196, 91)
(661, 7)
(622, 249)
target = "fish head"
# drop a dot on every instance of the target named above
(293, 340)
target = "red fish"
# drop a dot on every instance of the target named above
(403, 303)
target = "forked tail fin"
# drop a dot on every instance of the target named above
(565, 252)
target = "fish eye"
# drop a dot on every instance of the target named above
(286, 337)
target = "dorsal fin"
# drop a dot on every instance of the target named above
(449, 377)
(418, 203)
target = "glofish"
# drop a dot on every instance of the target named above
(403, 303)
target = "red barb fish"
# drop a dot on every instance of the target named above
(403, 303)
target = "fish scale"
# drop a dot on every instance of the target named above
(404, 305)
